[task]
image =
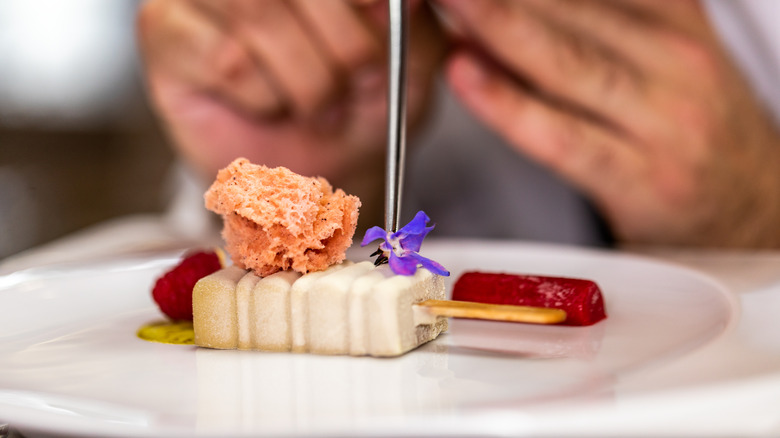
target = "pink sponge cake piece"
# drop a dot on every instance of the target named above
(277, 220)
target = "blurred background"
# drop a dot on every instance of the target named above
(78, 143)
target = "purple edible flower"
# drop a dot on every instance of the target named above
(401, 249)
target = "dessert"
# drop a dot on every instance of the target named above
(173, 291)
(290, 287)
(580, 299)
(351, 308)
(168, 332)
(277, 220)
(217, 325)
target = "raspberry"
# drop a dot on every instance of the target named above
(581, 299)
(173, 291)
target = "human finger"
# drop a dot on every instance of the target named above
(277, 38)
(642, 33)
(347, 39)
(379, 12)
(563, 63)
(679, 13)
(364, 2)
(588, 154)
(180, 42)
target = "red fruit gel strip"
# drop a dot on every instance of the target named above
(173, 291)
(580, 299)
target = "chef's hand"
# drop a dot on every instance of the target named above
(636, 103)
(298, 83)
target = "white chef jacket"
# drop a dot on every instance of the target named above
(472, 184)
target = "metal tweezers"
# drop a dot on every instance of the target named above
(396, 112)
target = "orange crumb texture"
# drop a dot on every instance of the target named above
(275, 219)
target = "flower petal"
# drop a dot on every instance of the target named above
(416, 225)
(431, 265)
(407, 242)
(413, 242)
(414, 232)
(402, 265)
(373, 234)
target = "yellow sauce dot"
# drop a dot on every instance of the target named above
(168, 332)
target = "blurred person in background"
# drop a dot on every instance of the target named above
(574, 121)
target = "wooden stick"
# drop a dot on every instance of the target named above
(495, 312)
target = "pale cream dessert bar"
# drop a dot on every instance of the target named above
(299, 305)
(350, 308)
(218, 326)
(329, 325)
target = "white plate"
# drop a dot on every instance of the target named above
(70, 362)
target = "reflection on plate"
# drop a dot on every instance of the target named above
(70, 361)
